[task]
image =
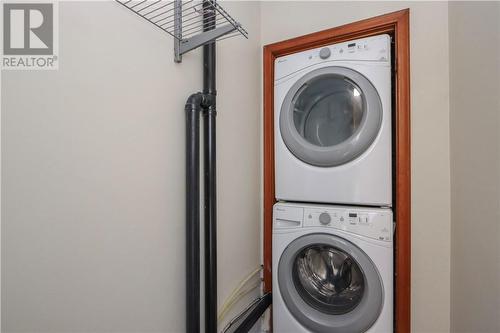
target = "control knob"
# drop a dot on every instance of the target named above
(325, 53)
(325, 218)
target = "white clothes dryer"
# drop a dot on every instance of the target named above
(332, 116)
(332, 269)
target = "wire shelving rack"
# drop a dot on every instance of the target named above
(192, 23)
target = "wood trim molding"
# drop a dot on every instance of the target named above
(397, 25)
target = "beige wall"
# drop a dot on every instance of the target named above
(93, 158)
(430, 134)
(93, 175)
(475, 160)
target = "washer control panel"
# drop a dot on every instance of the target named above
(373, 223)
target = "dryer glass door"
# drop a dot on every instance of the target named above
(329, 284)
(330, 116)
(328, 110)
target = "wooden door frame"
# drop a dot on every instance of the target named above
(397, 25)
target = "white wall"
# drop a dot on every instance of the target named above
(475, 160)
(430, 133)
(93, 175)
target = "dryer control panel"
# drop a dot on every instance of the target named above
(375, 223)
(376, 49)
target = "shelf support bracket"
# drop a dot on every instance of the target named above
(191, 43)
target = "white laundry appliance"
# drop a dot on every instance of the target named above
(332, 116)
(332, 269)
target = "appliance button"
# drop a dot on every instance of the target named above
(324, 53)
(363, 219)
(325, 218)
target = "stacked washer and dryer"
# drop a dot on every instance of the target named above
(333, 223)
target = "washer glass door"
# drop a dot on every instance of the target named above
(328, 279)
(329, 284)
(330, 116)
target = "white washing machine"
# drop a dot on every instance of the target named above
(332, 269)
(332, 116)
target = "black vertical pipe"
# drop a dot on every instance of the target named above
(192, 109)
(210, 223)
(209, 90)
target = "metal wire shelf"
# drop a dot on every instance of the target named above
(192, 23)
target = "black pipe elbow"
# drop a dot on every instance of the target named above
(198, 101)
(194, 102)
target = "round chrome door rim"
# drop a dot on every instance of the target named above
(347, 150)
(361, 318)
